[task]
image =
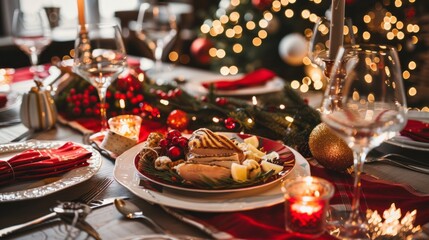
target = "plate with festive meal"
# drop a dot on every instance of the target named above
(35, 169)
(216, 198)
(213, 162)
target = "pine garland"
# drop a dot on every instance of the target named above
(270, 118)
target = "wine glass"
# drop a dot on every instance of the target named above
(364, 104)
(31, 33)
(100, 57)
(156, 26)
(318, 50)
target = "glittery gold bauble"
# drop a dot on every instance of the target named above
(329, 149)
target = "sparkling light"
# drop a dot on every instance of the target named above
(173, 56)
(412, 91)
(256, 42)
(250, 25)
(289, 13)
(295, 84)
(237, 48)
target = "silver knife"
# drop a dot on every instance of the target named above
(212, 231)
(51, 216)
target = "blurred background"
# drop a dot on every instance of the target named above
(236, 36)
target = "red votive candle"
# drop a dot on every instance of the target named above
(306, 205)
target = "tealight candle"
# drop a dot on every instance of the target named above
(126, 125)
(306, 205)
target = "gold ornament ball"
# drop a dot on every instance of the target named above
(329, 150)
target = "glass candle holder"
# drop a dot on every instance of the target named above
(306, 205)
(126, 125)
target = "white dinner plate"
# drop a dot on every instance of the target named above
(39, 188)
(13, 100)
(408, 143)
(125, 173)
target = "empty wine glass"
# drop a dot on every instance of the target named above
(364, 104)
(318, 50)
(31, 33)
(100, 57)
(156, 26)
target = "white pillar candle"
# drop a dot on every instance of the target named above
(336, 35)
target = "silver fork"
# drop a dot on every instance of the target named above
(404, 163)
(86, 198)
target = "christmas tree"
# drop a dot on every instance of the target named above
(243, 35)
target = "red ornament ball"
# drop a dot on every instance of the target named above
(230, 123)
(178, 120)
(200, 50)
(262, 4)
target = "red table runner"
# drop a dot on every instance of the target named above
(268, 223)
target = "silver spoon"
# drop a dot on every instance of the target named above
(131, 211)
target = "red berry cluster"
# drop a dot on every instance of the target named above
(84, 103)
(82, 100)
(174, 145)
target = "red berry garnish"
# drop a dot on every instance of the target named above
(175, 141)
(175, 152)
(173, 133)
(183, 142)
(163, 143)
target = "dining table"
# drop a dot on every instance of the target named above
(409, 188)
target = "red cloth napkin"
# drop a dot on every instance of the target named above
(257, 77)
(268, 223)
(416, 130)
(35, 164)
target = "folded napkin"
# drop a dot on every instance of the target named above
(36, 164)
(257, 77)
(3, 100)
(416, 130)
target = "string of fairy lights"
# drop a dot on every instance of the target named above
(379, 21)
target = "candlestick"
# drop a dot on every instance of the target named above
(81, 14)
(306, 205)
(336, 33)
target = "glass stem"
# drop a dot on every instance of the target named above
(102, 95)
(34, 59)
(359, 158)
(158, 55)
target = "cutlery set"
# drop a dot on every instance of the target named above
(399, 161)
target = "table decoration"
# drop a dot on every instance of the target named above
(38, 110)
(328, 149)
(286, 117)
(126, 125)
(306, 205)
(115, 143)
(390, 225)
